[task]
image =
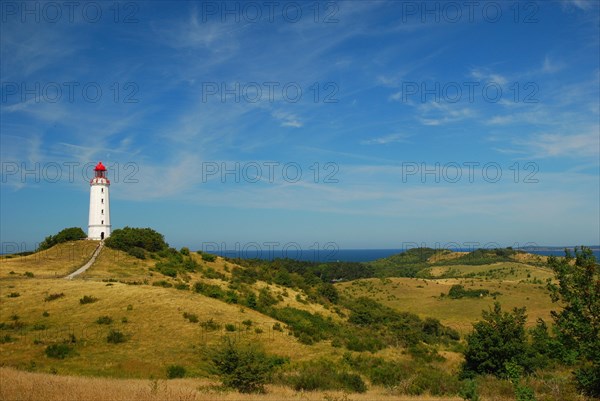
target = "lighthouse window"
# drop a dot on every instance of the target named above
(102, 211)
(102, 190)
(102, 200)
(102, 222)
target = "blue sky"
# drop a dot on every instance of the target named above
(368, 124)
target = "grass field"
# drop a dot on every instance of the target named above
(57, 261)
(423, 296)
(25, 386)
(158, 335)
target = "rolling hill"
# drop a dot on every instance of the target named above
(173, 308)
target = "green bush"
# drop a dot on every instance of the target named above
(65, 235)
(137, 252)
(210, 325)
(6, 339)
(166, 268)
(59, 351)
(192, 317)
(207, 257)
(457, 291)
(185, 251)
(175, 371)
(162, 283)
(52, 297)
(104, 320)
(324, 374)
(245, 368)
(496, 340)
(115, 337)
(127, 238)
(87, 299)
(210, 290)
(14, 295)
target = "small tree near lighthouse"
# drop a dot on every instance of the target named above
(99, 221)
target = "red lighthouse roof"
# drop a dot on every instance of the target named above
(100, 167)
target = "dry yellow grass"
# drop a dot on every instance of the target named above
(24, 386)
(57, 261)
(422, 297)
(158, 333)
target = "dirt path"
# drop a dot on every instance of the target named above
(88, 264)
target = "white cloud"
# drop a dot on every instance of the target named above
(437, 113)
(550, 66)
(546, 145)
(383, 140)
(287, 119)
(486, 76)
(581, 4)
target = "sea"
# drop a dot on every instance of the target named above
(362, 255)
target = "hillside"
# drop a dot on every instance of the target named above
(173, 308)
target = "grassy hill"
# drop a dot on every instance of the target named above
(173, 309)
(57, 261)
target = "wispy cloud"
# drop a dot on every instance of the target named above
(287, 119)
(438, 113)
(554, 145)
(386, 139)
(550, 66)
(581, 4)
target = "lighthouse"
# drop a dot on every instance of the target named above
(99, 221)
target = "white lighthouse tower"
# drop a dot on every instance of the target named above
(99, 222)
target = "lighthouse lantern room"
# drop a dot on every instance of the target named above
(99, 221)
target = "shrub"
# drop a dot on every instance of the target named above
(52, 297)
(45, 313)
(167, 269)
(323, 374)
(137, 252)
(193, 318)
(243, 367)
(29, 274)
(182, 286)
(230, 327)
(175, 371)
(210, 290)
(115, 337)
(87, 299)
(6, 339)
(67, 234)
(128, 237)
(185, 251)
(497, 339)
(59, 351)
(207, 257)
(14, 295)
(162, 283)
(457, 291)
(104, 320)
(210, 325)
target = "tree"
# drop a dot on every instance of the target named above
(577, 290)
(128, 237)
(496, 340)
(65, 235)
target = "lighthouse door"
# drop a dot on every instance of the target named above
(102, 235)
